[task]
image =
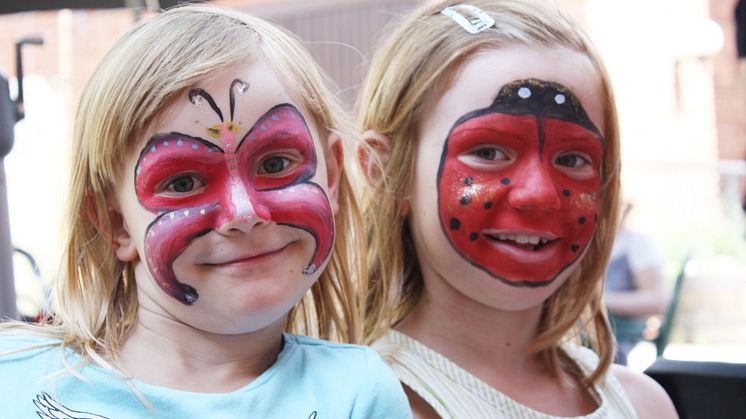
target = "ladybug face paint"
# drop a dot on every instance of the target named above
(519, 183)
(197, 185)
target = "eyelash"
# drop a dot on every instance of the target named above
(290, 158)
(578, 156)
(169, 186)
(493, 153)
(263, 165)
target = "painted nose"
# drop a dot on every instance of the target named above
(241, 211)
(535, 190)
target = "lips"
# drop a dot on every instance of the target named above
(523, 248)
(249, 259)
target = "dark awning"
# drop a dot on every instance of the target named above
(16, 6)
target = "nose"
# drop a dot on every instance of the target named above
(240, 210)
(535, 189)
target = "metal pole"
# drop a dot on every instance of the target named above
(7, 285)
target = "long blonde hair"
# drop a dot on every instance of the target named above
(152, 65)
(417, 63)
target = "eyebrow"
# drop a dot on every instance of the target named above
(176, 136)
(280, 133)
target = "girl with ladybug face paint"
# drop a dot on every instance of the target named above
(493, 145)
(506, 189)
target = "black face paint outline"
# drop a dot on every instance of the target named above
(544, 100)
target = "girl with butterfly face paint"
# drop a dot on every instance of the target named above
(207, 203)
(493, 145)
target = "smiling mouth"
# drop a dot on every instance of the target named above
(249, 259)
(522, 241)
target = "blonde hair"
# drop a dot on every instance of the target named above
(151, 66)
(417, 63)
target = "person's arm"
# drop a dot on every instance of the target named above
(647, 396)
(650, 298)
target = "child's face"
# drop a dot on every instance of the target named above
(226, 207)
(507, 186)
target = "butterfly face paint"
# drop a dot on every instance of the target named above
(519, 183)
(196, 185)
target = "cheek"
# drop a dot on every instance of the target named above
(581, 203)
(467, 199)
(304, 206)
(167, 237)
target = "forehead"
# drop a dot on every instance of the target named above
(263, 91)
(479, 80)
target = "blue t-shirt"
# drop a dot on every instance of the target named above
(312, 379)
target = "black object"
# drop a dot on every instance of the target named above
(741, 28)
(16, 6)
(7, 287)
(19, 111)
(7, 118)
(703, 390)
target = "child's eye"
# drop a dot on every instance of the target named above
(184, 184)
(577, 166)
(487, 157)
(489, 153)
(280, 162)
(274, 164)
(571, 160)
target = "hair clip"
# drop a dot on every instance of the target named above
(471, 18)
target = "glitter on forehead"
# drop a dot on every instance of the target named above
(196, 100)
(241, 87)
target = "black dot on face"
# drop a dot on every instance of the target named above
(455, 224)
(581, 220)
(505, 181)
(468, 181)
(190, 296)
(565, 192)
(473, 236)
(574, 247)
(488, 205)
(465, 200)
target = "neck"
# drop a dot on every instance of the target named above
(163, 351)
(473, 335)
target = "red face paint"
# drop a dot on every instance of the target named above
(519, 183)
(232, 182)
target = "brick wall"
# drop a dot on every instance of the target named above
(730, 86)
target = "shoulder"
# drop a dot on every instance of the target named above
(586, 359)
(323, 349)
(646, 395)
(357, 368)
(14, 344)
(355, 358)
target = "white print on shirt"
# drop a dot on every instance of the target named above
(52, 409)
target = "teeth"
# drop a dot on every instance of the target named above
(523, 238)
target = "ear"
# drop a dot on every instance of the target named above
(373, 155)
(334, 165)
(121, 241)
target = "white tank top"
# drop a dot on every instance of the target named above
(454, 393)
